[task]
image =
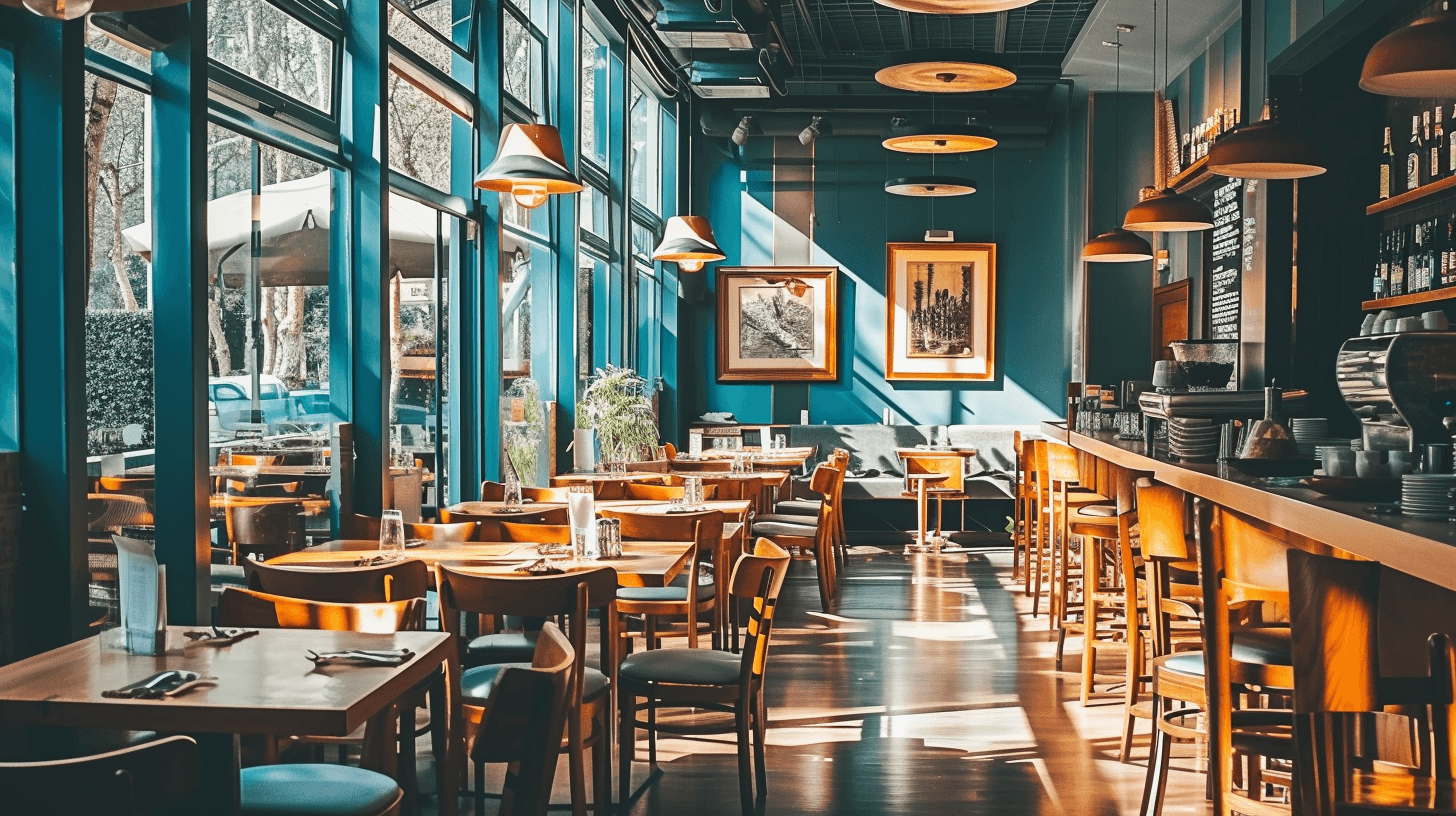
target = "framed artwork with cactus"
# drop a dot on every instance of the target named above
(778, 323)
(941, 312)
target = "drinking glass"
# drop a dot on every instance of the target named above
(512, 497)
(581, 513)
(693, 491)
(781, 442)
(391, 534)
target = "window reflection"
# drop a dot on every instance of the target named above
(260, 40)
(645, 152)
(522, 63)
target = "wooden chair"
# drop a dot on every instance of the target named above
(1020, 518)
(266, 788)
(805, 511)
(488, 527)
(816, 538)
(662, 493)
(381, 583)
(1353, 759)
(132, 781)
(686, 596)
(144, 487)
(248, 460)
(277, 490)
(492, 491)
(702, 465)
(1066, 492)
(545, 494)
(535, 533)
(737, 489)
(520, 724)
(109, 512)
(567, 596)
(264, 530)
(367, 527)
(710, 679)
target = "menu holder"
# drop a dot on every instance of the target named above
(143, 585)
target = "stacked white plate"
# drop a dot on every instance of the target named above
(1193, 439)
(1427, 495)
(1311, 433)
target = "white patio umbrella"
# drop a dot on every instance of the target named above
(294, 222)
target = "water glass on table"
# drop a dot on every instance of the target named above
(391, 534)
(693, 491)
(581, 512)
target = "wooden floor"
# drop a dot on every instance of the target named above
(929, 690)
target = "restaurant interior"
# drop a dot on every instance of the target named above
(753, 407)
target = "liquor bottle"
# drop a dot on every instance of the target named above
(1426, 178)
(1451, 144)
(1377, 285)
(1397, 266)
(1413, 159)
(1448, 262)
(1438, 140)
(1387, 166)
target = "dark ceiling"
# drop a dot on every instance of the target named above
(837, 42)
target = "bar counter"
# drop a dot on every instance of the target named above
(1420, 548)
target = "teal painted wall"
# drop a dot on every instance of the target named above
(1023, 206)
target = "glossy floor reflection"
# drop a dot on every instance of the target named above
(929, 690)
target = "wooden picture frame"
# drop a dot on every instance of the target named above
(948, 332)
(778, 323)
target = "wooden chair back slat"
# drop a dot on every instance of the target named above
(259, 610)
(381, 583)
(367, 527)
(132, 781)
(535, 533)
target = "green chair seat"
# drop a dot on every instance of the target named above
(691, 667)
(315, 790)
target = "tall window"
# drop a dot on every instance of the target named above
(645, 112)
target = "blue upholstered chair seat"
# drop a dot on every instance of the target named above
(503, 647)
(693, 667)
(476, 683)
(675, 592)
(315, 790)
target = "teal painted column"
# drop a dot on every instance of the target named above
(463, 288)
(179, 325)
(486, 302)
(50, 157)
(365, 128)
(566, 37)
(9, 317)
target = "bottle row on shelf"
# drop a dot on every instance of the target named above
(1416, 257)
(1194, 144)
(1429, 156)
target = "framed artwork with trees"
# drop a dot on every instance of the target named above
(778, 323)
(941, 315)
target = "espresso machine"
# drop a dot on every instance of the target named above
(1401, 386)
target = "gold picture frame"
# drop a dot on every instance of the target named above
(778, 323)
(935, 331)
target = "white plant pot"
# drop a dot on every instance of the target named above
(584, 450)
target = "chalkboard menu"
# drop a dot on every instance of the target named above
(1231, 255)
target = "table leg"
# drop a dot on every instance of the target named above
(217, 778)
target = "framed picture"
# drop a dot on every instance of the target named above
(777, 323)
(942, 312)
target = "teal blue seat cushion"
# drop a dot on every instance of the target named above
(504, 647)
(315, 790)
(1265, 646)
(228, 575)
(1190, 663)
(476, 683)
(691, 667)
(675, 592)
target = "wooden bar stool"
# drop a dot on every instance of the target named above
(1066, 493)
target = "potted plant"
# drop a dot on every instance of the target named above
(523, 422)
(616, 409)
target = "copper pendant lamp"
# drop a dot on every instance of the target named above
(530, 165)
(72, 9)
(1118, 245)
(1418, 60)
(931, 186)
(939, 137)
(944, 70)
(688, 242)
(955, 6)
(1266, 149)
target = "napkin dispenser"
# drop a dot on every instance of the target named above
(1400, 386)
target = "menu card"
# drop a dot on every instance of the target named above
(695, 444)
(143, 595)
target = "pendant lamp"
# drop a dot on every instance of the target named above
(1167, 211)
(1266, 149)
(1159, 208)
(939, 137)
(529, 165)
(1118, 245)
(688, 241)
(72, 9)
(944, 70)
(931, 186)
(1418, 60)
(955, 6)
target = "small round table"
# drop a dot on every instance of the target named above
(922, 542)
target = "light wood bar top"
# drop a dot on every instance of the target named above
(1422, 548)
(643, 563)
(265, 683)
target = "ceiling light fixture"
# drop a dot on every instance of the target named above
(934, 186)
(1117, 245)
(530, 165)
(741, 133)
(1418, 60)
(688, 242)
(1266, 149)
(955, 6)
(72, 9)
(810, 133)
(938, 137)
(944, 70)
(1160, 208)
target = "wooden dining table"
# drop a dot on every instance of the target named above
(265, 685)
(643, 563)
(640, 477)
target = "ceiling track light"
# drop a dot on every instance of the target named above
(743, 131)
(812, 132)
(1418, 60)
(934, 186)
(944, 70)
